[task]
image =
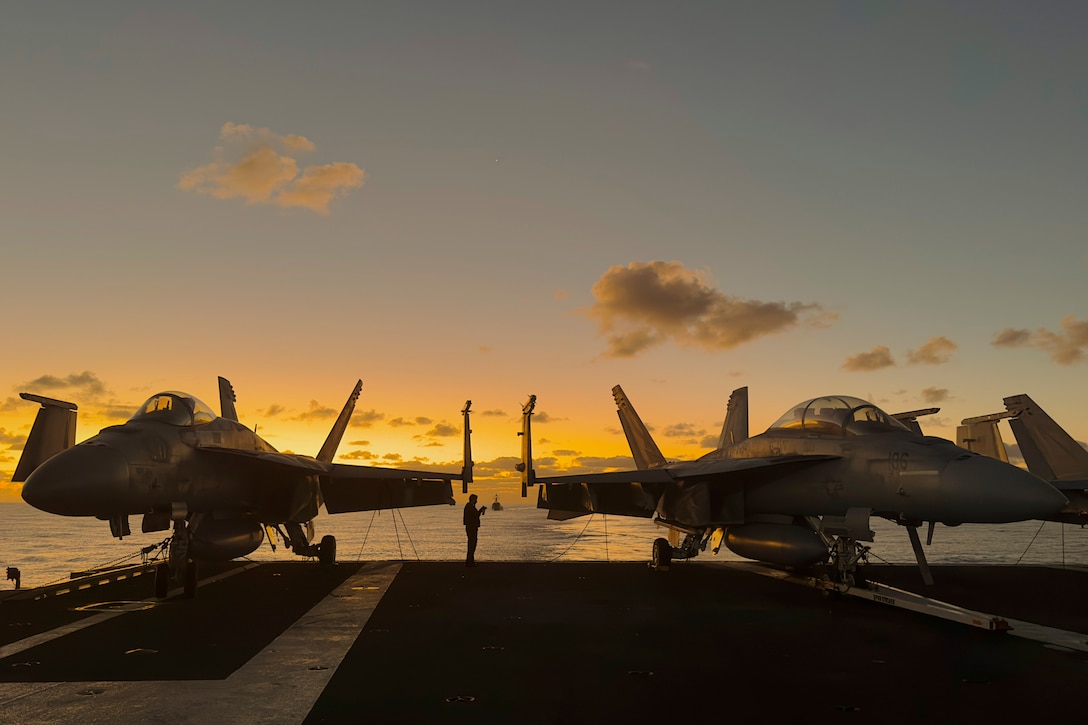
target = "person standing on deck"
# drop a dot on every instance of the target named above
(472, 527)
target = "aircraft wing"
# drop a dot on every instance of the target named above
(350, 488)
(365, 488)
(683, 491)
(303, 464)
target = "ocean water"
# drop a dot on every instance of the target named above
(47, 548)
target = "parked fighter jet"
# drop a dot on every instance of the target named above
(803, 491)
(218, 482)
(1049, 452)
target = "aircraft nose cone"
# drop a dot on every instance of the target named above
(87, 480)
(992, 491)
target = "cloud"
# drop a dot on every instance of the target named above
(11, 438)
(256, 165)
(877, 358)
(358, 456)
(682, 430)
(1065, 347)
(358, 443)
(649, 303)
(316, 412)
(541, 417)
(935, 351)
(366, 418)
(418, 420)
(85, 382)
(493, 412)
(935, 395)
(710, 442)
(272, 411)
(566, 453)
(443, 430)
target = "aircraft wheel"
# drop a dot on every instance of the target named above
(162, 580)
(326, 551)
(662, 554)
(190, 580)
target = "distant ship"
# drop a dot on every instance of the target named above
(496, 506)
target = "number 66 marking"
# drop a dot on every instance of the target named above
(897, 462)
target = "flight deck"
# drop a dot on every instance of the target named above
(535, 642)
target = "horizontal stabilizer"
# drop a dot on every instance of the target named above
(910, 418)
(54, 431)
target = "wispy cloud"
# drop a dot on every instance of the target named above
(366, 418)
(935, 351)
(649, 303)
(877, 358)
(1066, 346)
(86, 383)
(935, 395)
(258, 165)
(316, 411)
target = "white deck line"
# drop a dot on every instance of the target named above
(1050, 636)
(64, 630)
(276, 686)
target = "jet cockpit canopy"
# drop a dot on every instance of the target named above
(838, 415)
(180, 409)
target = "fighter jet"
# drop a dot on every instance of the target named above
(803, 492)
(220, 485)
(1049, 452)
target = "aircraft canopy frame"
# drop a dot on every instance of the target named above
(175, 408)
(837, 415)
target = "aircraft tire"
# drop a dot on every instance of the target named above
(190, 580)
(162, 580)
(662, 554)
(326, 551)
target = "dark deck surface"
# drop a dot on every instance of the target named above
(588, 642)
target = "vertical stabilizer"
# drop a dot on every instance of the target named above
(328, 450)
(1048, 450)
(54, 430)
(528, 475)
(735, 428)
(643, 449)
(227, 399)
(467, 464)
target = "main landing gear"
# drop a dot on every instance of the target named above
(178, 569)
(695, 540)
(844, 556)
(298, 541)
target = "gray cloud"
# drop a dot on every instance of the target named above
(85, 382)
(366, 418)
(649, 303)
(1067, 346)
(11, 438)
(443, 430)
(935, 351)
(935, 395)
(877, 358)
(316, 412)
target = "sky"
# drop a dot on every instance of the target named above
(483, 201)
